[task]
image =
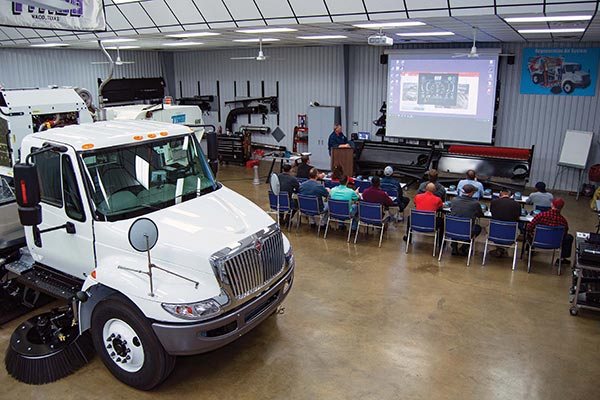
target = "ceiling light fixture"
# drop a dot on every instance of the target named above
(557, 30)
(117, 40)
(122, 47)
(193, 34)
(256, 40)
(414, 34)
(182, 43)
(386, 25)
(49, 45)
(322, 37)
(266, 30)
(556, 18)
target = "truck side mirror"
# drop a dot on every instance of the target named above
(28, 195)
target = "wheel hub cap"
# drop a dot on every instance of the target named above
(123, 345)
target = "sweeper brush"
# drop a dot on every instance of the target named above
(47, 347)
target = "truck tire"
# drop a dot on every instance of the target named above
(536, 78)
(128, 346)
(568, 87)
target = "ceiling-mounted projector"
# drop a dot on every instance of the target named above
(380, 40)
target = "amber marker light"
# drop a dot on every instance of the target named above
(87, 146)
(164, 133)
(93, 274)
(138, 137)
(152, 135)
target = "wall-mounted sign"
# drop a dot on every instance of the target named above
(560, 71)
(72, 15)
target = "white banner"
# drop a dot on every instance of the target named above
(72, 15)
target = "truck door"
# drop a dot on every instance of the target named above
(62, 202)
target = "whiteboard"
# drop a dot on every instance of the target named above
(575, 149)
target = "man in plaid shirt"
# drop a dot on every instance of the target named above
(553, 217)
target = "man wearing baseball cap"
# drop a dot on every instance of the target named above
(553, 217)
(387, 180)
(466, 206)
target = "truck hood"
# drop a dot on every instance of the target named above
(188, 234)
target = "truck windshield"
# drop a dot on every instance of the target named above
(129, 181)
(572, 67)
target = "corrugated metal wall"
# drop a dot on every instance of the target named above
(308, 74)
(542, 121)
(304, 74)
(21, 68)
(367, 88)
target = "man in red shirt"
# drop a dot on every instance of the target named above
(428, 201)
(553, 217)
(374, 194)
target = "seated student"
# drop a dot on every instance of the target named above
(428, 201)
(342, 192)
(288, 183)
(338, 172)
(374, 194)
(314, 188)
(440, 190)
(402, 201)
(504, 209)
(303, 169)
(466, 206)
(471, 179)
(553, 217)
(540, 197)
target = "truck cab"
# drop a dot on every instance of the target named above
(217, 267)
(573, 77)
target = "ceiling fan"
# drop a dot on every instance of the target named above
(117, 61)
(260, 57)
(473, 52)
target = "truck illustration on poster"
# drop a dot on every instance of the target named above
(560, 71)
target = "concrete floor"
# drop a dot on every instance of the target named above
(363, 322)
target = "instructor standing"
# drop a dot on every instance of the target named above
(337, 139)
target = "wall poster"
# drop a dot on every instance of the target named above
(560, 71)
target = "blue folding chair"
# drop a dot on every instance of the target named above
(339, 211)
(542, 208)
(361, 185)
(370, 215)
(280, 205)
(457, 230)
(391, 190)
(546, 238)
(422, 223)
(309, 206)
(331, 184)
(502, 234)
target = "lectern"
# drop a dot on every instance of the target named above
(344, 157)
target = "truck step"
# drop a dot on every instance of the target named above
(50, 282)
(23, 264)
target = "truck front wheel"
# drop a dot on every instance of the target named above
(127, 345)
(568, 87)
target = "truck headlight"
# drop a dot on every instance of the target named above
(194, 311)
(289, 257)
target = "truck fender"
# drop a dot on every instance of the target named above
(96, 294)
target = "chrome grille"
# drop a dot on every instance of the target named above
(250, 269)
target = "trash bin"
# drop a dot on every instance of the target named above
(594, 173)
